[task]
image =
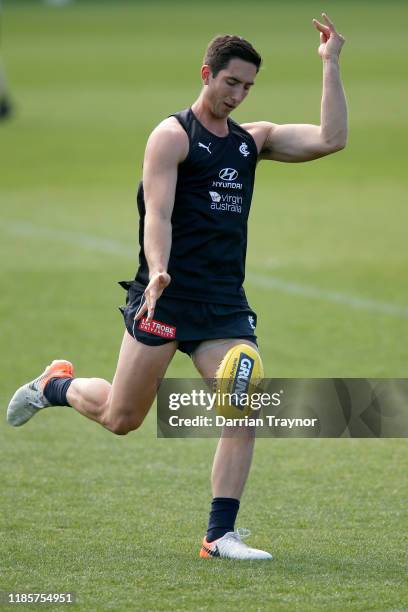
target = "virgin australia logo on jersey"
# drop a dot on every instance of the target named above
(230, 203)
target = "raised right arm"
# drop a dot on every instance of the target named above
(166, 148)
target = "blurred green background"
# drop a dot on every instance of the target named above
(327, 269)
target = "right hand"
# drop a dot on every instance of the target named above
(157, 284)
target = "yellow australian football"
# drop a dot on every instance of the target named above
(237, 378)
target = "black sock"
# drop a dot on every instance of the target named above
(223, 513)
(56, 391)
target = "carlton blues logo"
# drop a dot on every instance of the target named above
(243, 149)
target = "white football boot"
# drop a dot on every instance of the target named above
(231, 546)
(30, 398)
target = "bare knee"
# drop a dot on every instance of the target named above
(123, 424)
(246, 433)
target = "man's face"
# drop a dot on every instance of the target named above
(228, 89)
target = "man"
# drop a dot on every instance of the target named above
(194, 202)
(5, 104)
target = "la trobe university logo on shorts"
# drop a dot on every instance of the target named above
(157, 328)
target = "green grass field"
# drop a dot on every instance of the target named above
(119, 520)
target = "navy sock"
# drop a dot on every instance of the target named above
(223, 513)
(56, 391)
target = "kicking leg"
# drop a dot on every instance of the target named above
(230, 470)
(234, 452)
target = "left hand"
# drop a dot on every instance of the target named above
(331, 41)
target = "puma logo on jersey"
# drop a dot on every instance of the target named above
(203, 146)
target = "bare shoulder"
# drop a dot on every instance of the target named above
(259, 130)
(168, 139)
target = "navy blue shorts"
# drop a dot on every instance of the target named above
(187, 322)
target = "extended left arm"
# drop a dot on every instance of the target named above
(333, 115)
(304, 142)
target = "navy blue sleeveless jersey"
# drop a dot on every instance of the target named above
(209, 221)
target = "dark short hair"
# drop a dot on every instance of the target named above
(226, 47)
